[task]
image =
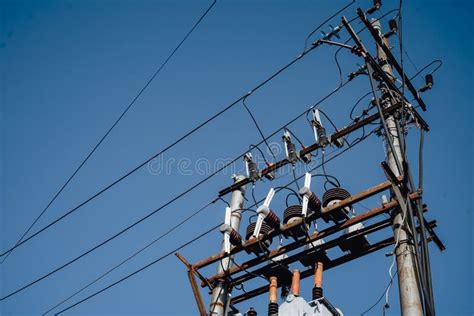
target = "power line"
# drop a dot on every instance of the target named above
(142, 268)
(136, 253)
(194, 239)
(381, 296)
(176, 197)
(110, 129)
(176, 142)
(259, 129)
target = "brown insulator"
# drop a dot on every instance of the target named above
(318, 274)
(235, 238)
(318, 281)
(295, 283)
(273, 220)
(272, 292)
(314, 203)
(292, 212)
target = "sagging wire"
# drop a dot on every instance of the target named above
(294, 135)
(252, 146)
(200, 236)
(436, 61)
(258, 128)
(381, 296)
(335, 183)
(291, 194)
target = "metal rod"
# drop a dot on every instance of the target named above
(194, 286)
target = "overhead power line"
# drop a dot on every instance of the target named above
(340, 86)
(175, 198)
(142, 268)
(173, 144)
(136, 253)
(127, 108)
(205, 233)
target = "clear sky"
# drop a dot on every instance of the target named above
(68, 69)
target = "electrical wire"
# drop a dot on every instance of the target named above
(436, 61)
(127, 108)
(205, 233)
(294, 135)
(252, 146)
(259, 129)
(381, 296)
(335, 183)
(136, 253)
(141, 269)
(97, 246)
(176, 142)
(324, 22)
(294, 176)
(329, 119)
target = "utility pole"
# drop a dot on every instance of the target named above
(220, 293)
(410, 300)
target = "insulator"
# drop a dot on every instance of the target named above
(314, 203)
(264, 230)
(253, 171)
(273, 220)
(393, 25)
(317, 292)
(322, 138)
(292, 212)
(251, 312)
(273, 309)
(235, 238)
(429, 79)
(334, 194)
(292, 155)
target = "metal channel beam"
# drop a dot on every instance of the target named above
(248, 244)
(332, 264)
(314, 237)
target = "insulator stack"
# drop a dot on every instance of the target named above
(317, 293)
(235, 238)
(333, 196)
(322, 138)
(273, 220)
(253, 171)
(264, 230)
(273, 309)
(273, 297)
(314, 203)
(318, 281)
(251, 312)
(295, 283)
(292, 213)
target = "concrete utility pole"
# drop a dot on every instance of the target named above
(220, 292)
(410, 301)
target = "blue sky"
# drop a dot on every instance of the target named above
(69, 68)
